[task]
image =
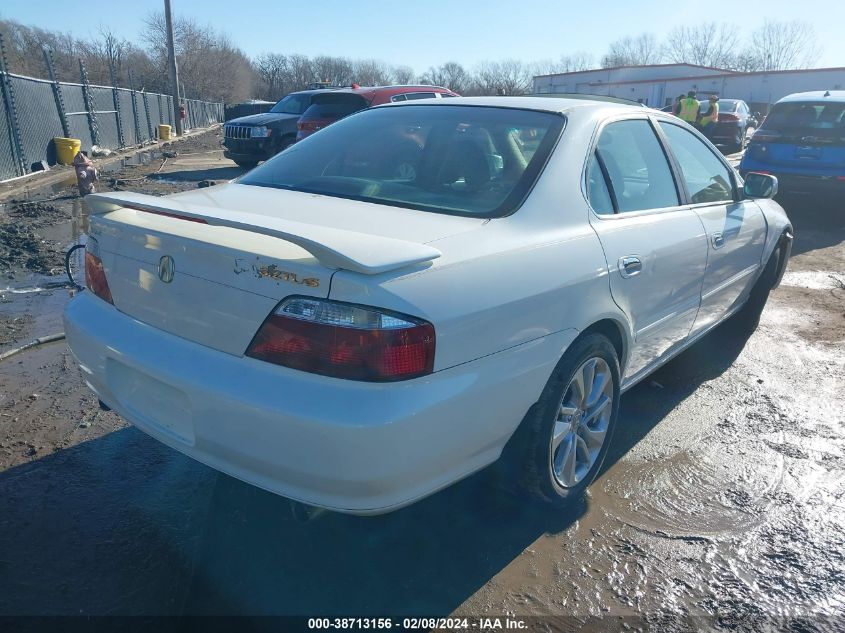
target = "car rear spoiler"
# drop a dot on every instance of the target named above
(333, 248)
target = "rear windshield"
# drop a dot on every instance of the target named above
(462, 160)
(725, 105)
(292, 104)
(823, 120)
(335, 106)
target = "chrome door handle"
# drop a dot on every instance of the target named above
(718, 240)
(630, 265)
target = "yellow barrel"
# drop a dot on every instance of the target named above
(66, 149)
(164, 132)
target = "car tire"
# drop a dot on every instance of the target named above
(246, 164)
(748, 317)
(557, 464)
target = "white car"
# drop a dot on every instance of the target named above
(378, 311)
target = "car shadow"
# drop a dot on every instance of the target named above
(123, 525)
(818, 220)
(651, 400)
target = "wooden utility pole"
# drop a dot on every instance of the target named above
(174, 71)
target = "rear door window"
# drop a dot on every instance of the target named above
(411, 96)
(638, 172)
(708, 179)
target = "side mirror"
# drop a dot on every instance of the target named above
(760, 185)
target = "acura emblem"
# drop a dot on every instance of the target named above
(166, 268)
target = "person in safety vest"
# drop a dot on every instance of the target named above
(689, 108)
(676, 109)
(709, 120)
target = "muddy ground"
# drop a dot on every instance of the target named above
(722, 503)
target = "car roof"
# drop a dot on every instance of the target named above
(542, 104)
(372, 90)
(588, 97)
(312, 91)
(816, 95)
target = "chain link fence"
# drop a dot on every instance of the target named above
(30, 118)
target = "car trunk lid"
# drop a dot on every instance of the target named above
(232, 267)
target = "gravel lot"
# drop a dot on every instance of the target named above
(723, 497)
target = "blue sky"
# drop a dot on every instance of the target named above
(428, 32)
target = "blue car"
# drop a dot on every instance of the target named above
(802, 142)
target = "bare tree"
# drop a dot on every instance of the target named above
(508, 77)
(706, 44)
(211, 67)
(337, 71)
(450, 75)
(371, 72)
(403, 75)
(272, 69)
(633, 51)
(784, 45)
(746, 62)
(566, 64)
(577, 61)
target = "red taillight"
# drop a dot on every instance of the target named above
(728, 117)
(311, 125)
(95, 275)
(345, 341)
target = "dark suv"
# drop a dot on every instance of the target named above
(257, 137)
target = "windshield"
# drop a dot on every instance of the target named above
(824, 120)
(292, 104)
(725, 105)
(464, 160)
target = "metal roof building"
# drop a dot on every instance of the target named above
(659, 84)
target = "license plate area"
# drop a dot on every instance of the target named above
(151, 401)
(808, 153)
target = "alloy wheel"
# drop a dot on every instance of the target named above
(583, 418)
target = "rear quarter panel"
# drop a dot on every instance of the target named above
(483, 298)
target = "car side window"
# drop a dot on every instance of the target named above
(636, 166)
(597, 190)
(708, 178)
(396, 98)
(410, 96)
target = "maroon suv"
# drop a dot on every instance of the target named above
(332, 106)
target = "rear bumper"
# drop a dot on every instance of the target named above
(724, 133)
(354, 447)
(792, 180)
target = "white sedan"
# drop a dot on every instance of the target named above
(420, 289)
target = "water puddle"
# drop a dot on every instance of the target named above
(696, 494)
